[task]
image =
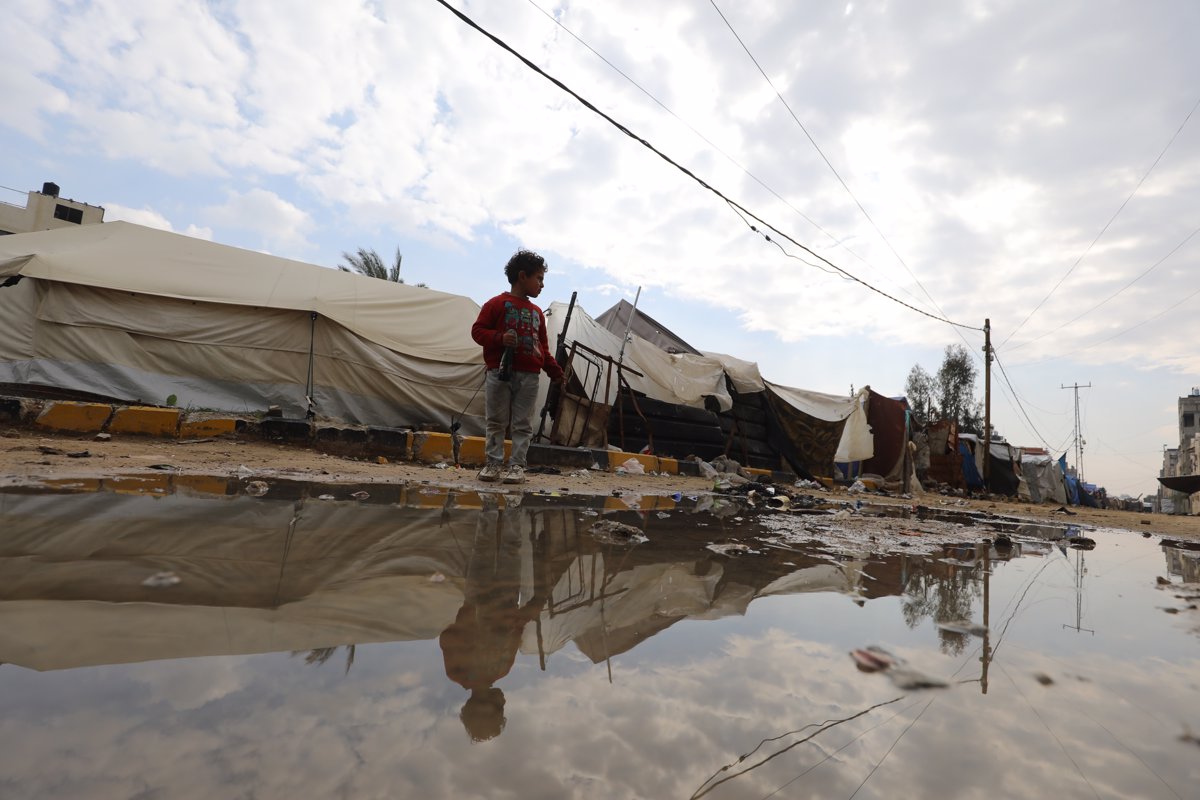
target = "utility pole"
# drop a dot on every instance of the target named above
(987, 404)
(1079, 442)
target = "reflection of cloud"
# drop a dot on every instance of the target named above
(659, 730)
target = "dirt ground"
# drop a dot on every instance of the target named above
(24, 460)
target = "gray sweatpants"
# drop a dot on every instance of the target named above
(508, 403)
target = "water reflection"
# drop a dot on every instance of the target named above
(428, 641)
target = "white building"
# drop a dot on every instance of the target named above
(45, 210)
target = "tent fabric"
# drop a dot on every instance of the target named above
(109, 327)
(856, 442)
(744, 375)
(1044, 479)
(1071, 483)
(679, 379)
(133, 258)
(887, 418)
(970, 471)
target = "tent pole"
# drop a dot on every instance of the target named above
(310, 412)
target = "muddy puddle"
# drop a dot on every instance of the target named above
(205, 637)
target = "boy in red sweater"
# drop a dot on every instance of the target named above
(509, 321)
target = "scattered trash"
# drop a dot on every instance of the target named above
(161, 580)
(257, 488)
(706, 469)
(876, 659)
(361, 495)
(858, 487)
(1082, 543)
(437, 577)
(587, 512)
(543, 469)
(243, 471)
(1063, 510)
(964, 626)
(380, 460)
(663, 515)
(807, 484)
(50, 451)
(841, 515)
(82, 454)
(609, 531)
(732, 549)
(326, 497)
(631, 467)
(580, 473)
(676, 496)
(192, 441)
(1043, 679)
(441, 465)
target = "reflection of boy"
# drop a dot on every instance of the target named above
(510, 320)
(479, 648)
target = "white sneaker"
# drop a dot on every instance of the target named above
(490, 473)
(515, 474)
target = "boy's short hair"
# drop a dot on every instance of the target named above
(525, 261)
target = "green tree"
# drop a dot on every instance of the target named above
(921, 389)
(367, 262)
(948, 395)
(956, 389)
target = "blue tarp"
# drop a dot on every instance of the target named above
(1072, 484)
(970, 471)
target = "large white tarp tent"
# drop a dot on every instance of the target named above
(138, 314)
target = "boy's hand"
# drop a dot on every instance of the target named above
(561, 380)
(510, 338)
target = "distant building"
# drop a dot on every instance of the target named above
(1184, 459)
(45, 210)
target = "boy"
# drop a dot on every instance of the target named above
(510, 321)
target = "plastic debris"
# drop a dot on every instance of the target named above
(257, 488)
(732, 549)
(161, 580)
(441, 465)
(876, 659)
(437, 577)
(857, 487)
(361, 495)
(632, 467)
(964, 626)
(609, 531)
(243, 471)
(663, 515)
(326, 497)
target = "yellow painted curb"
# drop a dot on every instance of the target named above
(668, 465)
(150, 484)
(757, 471)
(197, 428)
(204, 484)
(74, 417)
(145, 420)
(433, 447)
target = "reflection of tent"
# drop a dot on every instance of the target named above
(136, 314)
(256, 575)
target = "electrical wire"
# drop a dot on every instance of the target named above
(834, 239)
(1144, 273)
(825, 158)
(1016, 398)
(623, 129)
(1105, 228)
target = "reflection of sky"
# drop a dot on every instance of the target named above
(680, 706)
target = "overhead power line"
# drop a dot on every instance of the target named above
(825, 158)
(1144, 273)
(1106, 225)
(837, 242)
(733, 203)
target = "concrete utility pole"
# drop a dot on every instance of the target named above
(987, 404)
(1079, 442)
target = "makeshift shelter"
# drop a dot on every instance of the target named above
(706, 404)
(1044, 478)
(134, 314)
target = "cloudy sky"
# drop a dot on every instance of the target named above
(1029, 163)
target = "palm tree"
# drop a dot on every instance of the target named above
(367, 262)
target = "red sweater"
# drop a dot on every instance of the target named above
(509, 312)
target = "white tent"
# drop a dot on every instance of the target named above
(138, 314)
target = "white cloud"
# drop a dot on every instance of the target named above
(114, 212)
(280, 225)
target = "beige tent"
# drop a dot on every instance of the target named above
(137, 314)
